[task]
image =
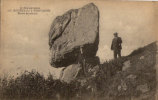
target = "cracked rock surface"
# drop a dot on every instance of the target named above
(75, 28)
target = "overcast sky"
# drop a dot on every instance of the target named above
(24, 38)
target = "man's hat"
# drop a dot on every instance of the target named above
(115, 33)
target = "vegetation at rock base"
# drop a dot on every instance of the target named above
(111, 82)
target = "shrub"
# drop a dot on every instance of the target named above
(34, 85)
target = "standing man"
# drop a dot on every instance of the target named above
(116, 45)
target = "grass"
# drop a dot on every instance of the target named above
(35, 86)
(142, 62)
(103, 86)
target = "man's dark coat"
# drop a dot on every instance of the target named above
(116, 43)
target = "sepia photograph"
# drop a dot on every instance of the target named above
(78, 50)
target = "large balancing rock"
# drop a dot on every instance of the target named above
(75, 28)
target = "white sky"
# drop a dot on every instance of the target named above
(24, 38)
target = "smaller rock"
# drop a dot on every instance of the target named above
(89, 87)
(93, 71)
(119, 88)
(142, 57)
(131, 76)
(57, 73)
(122, 86)
(94, 74)
(70, 73)
(83, 82)
(126, 65)
(143, 88)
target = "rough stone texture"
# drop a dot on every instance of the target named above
(75, 28)
(143, 88)
(122, 86)
(70, 73)
(131, 76)
(127, 65)
(75, 71)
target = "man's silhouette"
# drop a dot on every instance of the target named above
(116, 45)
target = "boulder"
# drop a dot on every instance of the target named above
(75, 28)
(126, 65)
(70, 73)
(75, 71)
(143, 88)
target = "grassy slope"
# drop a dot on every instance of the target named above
(109, 83)
(122, 86)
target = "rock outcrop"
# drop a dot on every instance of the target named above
(75, 71)
(70, 73)
(75, 28)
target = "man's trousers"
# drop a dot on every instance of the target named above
(117, 53)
